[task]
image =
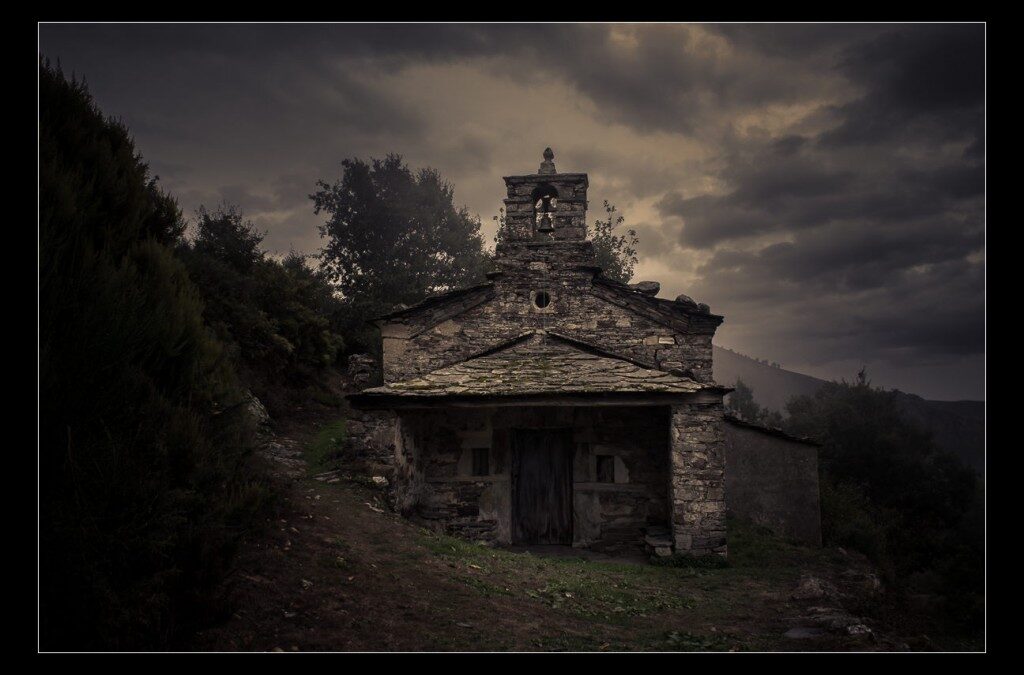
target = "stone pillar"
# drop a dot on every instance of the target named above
(697, 449)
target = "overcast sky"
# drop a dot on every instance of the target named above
(822, 186)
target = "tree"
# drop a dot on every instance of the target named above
(226, 236)
(143, 439)
(741, 402)
(275, 316)
(616, 254)
(889, 491)
(395, 236)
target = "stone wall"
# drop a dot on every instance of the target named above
(671, 460)
(698, 481)
(434, 481)
(580, 308)
(773, 481)
(569, 219)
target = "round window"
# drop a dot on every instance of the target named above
(542, 299)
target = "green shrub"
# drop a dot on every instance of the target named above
(144, 439)
(275, 316)
(888, 491)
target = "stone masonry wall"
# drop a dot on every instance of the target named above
(424, 342)
(698, 479)
(435, 483)
(773, 481)
(569, 219)
(682, 447)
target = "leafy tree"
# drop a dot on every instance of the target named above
(275, 316)
(741, 402)
(395, 236)
(226, 236)
(616, 253)
(143, 438)
(889, 491)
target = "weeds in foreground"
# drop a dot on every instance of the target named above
(324, 451)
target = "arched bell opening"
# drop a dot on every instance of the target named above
(545, 203)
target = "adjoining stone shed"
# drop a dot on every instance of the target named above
(771, 478)
(551, 404)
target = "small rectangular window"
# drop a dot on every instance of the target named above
(481, 462)
(605, 468)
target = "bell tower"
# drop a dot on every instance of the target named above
(546, 206)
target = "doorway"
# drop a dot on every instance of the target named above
(542, 486)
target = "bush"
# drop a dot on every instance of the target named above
(144, 439)
(275, 316)
(888, 491)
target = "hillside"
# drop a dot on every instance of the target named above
(335, 569)
(957, 426)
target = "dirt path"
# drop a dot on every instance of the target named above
(335, 570)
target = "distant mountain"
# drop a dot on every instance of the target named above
(958, 426)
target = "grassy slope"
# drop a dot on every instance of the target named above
(335, 570)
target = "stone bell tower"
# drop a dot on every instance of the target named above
(547, 205)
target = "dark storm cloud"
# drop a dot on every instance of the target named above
(671, 78)
(820, 185)
(793, 40)
(922, 83)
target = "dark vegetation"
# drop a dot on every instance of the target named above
(888, 491)
(393, 237)
(152, 336)
(144, 441)
(742, 404)
(151, 340)
(278, 319)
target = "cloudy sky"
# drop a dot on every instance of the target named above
(822, 186)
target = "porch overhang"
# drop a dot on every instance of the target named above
(383, 401)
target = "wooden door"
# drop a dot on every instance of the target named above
(542, 486)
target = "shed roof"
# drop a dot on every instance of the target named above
(541, 363)
(770, 431)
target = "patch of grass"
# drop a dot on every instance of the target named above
(706, 562)
(485, 588)
(605, 591)
(324, 451)
(754, 546)
(612, 598)
(454, 547)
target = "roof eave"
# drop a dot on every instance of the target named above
(371, 400)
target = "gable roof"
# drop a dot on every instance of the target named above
(434, 300)
(540, 363)
(661, 310)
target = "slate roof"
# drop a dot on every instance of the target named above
(432, 300)
(539, 363)
(770, 431)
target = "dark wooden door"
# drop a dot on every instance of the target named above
(542, 486)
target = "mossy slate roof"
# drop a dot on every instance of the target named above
(541, 363)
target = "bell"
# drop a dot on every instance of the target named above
(545, 224)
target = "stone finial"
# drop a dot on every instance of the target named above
(547, 166)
